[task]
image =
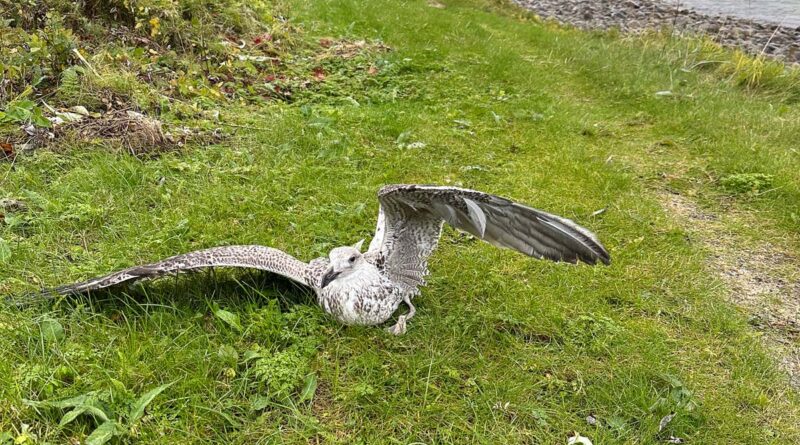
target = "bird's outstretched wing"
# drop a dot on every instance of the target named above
(256, 257)
(410, 222)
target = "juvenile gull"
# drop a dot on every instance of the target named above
(367, 288)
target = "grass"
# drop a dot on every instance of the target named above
(504, 349)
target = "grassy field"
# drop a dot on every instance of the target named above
(504, 349)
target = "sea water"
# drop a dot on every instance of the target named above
(785, 12)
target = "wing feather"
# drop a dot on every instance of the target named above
(256, 257)
(477, 217)
(411, 216)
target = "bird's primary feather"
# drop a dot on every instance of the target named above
(410, 219)
(367, 289)
(256, 257)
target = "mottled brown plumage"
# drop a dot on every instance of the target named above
(367, 288)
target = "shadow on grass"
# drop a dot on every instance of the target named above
(189, 292)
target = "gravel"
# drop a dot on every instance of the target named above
(755, 37)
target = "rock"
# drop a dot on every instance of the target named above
(638, 15)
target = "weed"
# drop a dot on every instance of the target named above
(101, 408)
(747, 183)
(171, 59)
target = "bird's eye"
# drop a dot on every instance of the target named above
(352, 259)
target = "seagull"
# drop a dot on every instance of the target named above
(367, 288)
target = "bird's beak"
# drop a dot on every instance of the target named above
(329, 276)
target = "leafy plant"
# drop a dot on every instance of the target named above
(24, 112)
(282, 372)
(35, 58)
(229, 318)
(285, 369)
(109, 423)
(747, 183)
(676, 397)
(594, 332)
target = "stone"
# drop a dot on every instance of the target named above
(638, 15)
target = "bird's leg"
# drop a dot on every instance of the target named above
(399, 328)
(411, 309)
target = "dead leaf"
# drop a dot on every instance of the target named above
(68, 116)
(435, 4)
(325, 42)
(7, 151)
(372, 70)
(266, 37)
(80, 109)
(319, 74)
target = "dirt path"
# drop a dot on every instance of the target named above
(764, 279)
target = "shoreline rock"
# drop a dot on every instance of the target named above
(755, 37)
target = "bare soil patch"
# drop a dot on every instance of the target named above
(763, 279)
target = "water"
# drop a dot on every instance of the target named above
(786, 12)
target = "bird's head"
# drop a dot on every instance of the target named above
(344, 260)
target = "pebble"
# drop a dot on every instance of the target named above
(638, 15)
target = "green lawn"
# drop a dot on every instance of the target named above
(504, 349)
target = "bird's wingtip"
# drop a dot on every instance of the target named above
(602, 257)
(26, 299)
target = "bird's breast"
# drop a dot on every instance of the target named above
(360, 303)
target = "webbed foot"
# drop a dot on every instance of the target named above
(399, 328)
